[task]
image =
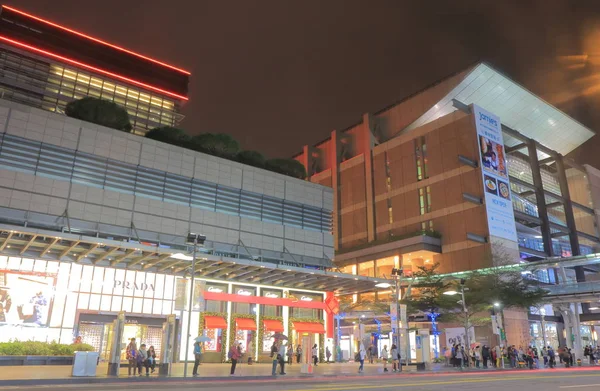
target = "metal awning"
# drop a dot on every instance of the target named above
(52, 246)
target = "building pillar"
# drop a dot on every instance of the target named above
(334, 164)
(307, 160)
(539, 197)
(367, 150)
(577, 332)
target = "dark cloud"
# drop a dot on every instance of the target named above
(280, 74)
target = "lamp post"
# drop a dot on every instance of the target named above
(397, 275)
(465, 310)
(192, 239)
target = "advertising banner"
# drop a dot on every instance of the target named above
(25, 298)
(456, 336)
(181, 294)
(501, 218)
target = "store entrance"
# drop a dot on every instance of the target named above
(97, 329)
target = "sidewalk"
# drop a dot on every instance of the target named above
(36, 375)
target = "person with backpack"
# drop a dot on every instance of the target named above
(234, 355)
(131, 354)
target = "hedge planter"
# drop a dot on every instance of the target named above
(35, 360)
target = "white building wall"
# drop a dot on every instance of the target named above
(27, 192)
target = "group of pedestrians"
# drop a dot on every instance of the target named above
(140, 358)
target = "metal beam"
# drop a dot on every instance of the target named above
(554, 204)
(540, 198)
(86, 252)
(33, 237)
(9, 237)
(121, 257)
(48, 247)
(156, 261)
(141, 259)
(69, 249)
(169, 265)
(515, 148)
(527, 193)
(548, 160)
(106, 254)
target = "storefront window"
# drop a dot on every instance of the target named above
(305, 313)
(272, 310)
(215, 305)
(385, 266)
(366, 269)
(243, 308)
(349, 269)
(215, 344)
(551, 335)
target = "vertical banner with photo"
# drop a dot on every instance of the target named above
(26, 298)
(501, 218)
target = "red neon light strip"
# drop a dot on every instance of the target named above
(264, 300)
(95, 39)
(92, 68)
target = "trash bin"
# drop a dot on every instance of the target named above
(421, 366)
(84, 364)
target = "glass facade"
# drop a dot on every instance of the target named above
(51, 86)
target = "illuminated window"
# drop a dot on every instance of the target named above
(425, 199)
(427, 225)
(421, 158)
(390, 215)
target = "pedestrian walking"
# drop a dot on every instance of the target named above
(197, 358)
(234, 355)
(372, 353)
(385, 357)
(551, 357)
(447, 355)
(477, 356)
(299, 354)
(131, 355)
(362, 354)
(327, 354)
(315, 355)
(460, 356)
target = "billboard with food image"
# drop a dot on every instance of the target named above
(501, 218)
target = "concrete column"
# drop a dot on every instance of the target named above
(578, 348)
(539, 196)
(367, 150)
(334, 164)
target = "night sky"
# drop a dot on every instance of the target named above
(280, 74)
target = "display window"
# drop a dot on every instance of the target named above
(216, 340)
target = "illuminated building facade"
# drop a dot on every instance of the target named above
(45, 65)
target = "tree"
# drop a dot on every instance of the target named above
(100, 112)
(290, 167)
(429, 298)
(219, 144)
(251, 158)
(170, 135)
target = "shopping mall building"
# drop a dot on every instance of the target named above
(467, 173)
(94, 221)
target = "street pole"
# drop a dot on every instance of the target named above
(467, 341)
(398, 284)
(190, 307)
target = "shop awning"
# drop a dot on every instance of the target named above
(245, 324)
(309, 327)
(273, 325)
(214, 322)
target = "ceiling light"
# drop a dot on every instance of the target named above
(450, 293)
(383, 285)
(594, 308)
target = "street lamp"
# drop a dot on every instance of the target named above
(193, 239)
(466, 311)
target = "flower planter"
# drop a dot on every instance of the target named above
(35, 360)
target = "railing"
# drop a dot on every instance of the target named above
(574, 288)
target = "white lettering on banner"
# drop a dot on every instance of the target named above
(134, 285)
(306, 298)
(214, 289)
(272, 295)
(243, 292)
(496, 186)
